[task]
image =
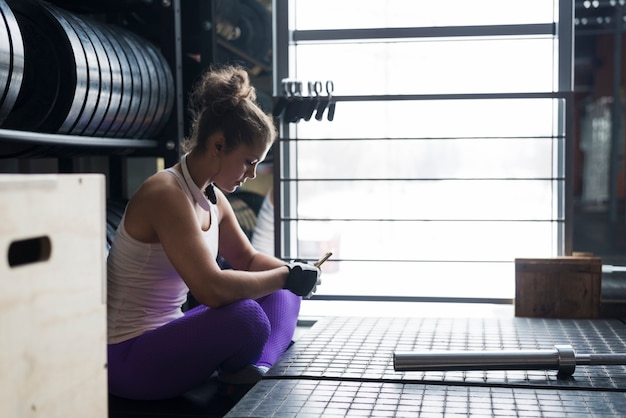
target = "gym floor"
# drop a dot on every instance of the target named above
(344, 366)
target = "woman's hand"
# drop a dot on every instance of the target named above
(303, 279)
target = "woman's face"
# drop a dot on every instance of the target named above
(239, 165)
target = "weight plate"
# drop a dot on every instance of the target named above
(83, 92)
(115, 73)
(255, 38)
(16, 73)
(167, 90)
(5, 59)
(137, 107)
(144, 117)
(101, 106)
(128, 107)
(98, 80)
(139, 103)
(90, 103)
(158, 87)
(45, 97)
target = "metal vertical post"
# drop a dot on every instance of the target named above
(617, 143)
(565, 36)
(172, 51)
(281, 39)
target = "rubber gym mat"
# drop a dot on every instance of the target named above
(361, 348)
(324, 398)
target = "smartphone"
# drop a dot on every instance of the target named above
(319, 262)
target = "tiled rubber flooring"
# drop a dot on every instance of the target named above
(324, 398)
(343, 366)
(362, 348)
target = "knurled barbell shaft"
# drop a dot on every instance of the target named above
(562, 358)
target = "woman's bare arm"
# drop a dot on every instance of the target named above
(165, 207)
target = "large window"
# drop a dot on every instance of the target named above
(446, 159)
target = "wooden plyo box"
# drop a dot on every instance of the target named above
(562, 287)
(52, 296)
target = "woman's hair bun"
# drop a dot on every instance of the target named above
(222, 89)
(224, 100)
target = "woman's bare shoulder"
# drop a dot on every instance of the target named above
(161, 182)
(157, 192)
(159, 197)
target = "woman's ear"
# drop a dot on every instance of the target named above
(217, 144)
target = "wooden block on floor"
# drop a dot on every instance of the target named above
(52, 296)
(561, 287)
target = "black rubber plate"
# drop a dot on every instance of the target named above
(166, 90)
(84, 46)
(46, 96)
(114, 75)
(100, 80)
(141, 79)
(10, 87)
(84, 91)
(129, 100)
(158, 88)
(5, 59)
(102, 69)
(150, 86)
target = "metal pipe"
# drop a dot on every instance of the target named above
(562, 358)
(617, 140)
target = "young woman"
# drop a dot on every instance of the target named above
(167, 244)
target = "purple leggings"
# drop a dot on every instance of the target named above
(182, 354)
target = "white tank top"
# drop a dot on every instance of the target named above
(144, 291)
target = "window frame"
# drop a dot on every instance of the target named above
(562, 29)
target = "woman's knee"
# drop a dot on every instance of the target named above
(248, 317)
(282, 302)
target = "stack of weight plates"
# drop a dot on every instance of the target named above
(85, 77)
(11, 60)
